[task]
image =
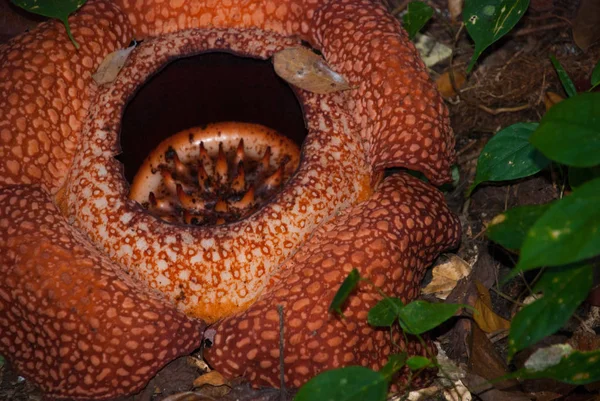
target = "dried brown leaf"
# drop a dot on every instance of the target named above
(486, 318)
(444, 83)
(301, 67)
(446, 275)
(213, 378)
(455, 8)
(112, 64)
(586, 26)
(551, 98)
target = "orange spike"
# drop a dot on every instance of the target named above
(239, 182)
(179, 166)
(265, 162)
(162, 205)
(187, 201)
(221, 166)
(221, 206)
(193, 219)
(246, 201)
(239, 152)
(203, 179)
(275, 179)
(169, 181)
(205, 160)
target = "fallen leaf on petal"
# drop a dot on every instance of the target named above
(446, 275)
(111, 66)
(301, 67)
(486, 318)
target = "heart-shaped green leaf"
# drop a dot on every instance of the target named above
(353, 383)
(564, 289)
(509, 155)
(418, 362)
(59, 9)
(385, 312)
(417, 15)
(489, 20)
(420, 316)
(569, 132)
(568, 232)
(510, 228)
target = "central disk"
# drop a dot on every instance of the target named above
(214, 174)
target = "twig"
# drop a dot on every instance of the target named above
(500, 110)
(400, 7)
(527, 31)
(466, 147)
(508, 298)
(282, 395)
(517, 54)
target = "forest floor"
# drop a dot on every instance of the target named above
(513, 82)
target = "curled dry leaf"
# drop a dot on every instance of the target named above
(111, 66)
(446, 275)
(551, 98)
(301, 67)
(486, 318)
(586, 26)
(212, 384)
(213, 378)
(444, 83)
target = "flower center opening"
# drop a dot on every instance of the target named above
(210, 139)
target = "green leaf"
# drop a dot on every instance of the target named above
(577, 368)
(418, 362)
(59, 9)
(510, 228)
(417, 15)
(509, 155)
(569, 132)
(595, 81)
(394, 364)
(353, 383)
(385, 312)
(579, 175)
(568, 232)
(489, 20)
(565, 80)
(420, 316)
(348, 285)
(564, 289)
